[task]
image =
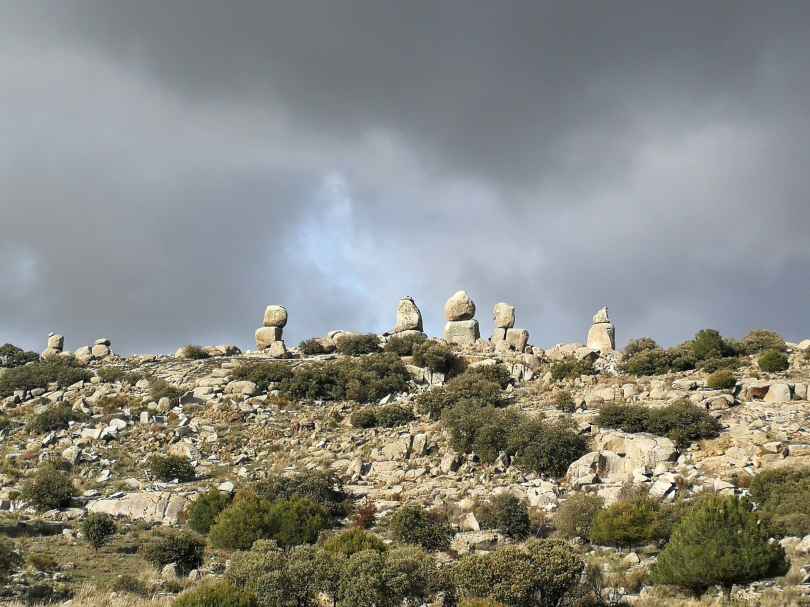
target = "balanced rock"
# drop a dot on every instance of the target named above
(56, 342)
(504, 316)
(459, 307)
(267, 336)
(602, 334)
(409, 318)
(275, 316)
(462, 332)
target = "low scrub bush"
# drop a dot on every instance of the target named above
(160, 388)
(61, 371)
(405, 345)
(321, 487)
(412, 524)
(9, 559)
(437, 357)
(773, 361)
(12, 356)
(497, 374)
(110, 375)
(546, 448)
(97, 529)
(708, 343)
(682, 422)
(179, 547)
(642, 344)
(263, 373)
(387, 416)
(167, 468)
(571, 368)
(466, 387)
(507, 514)
(721, 380)
(783, 498)
(204, 510)
(118, 402)
(353, 541)
(712, 365)
(576, 515)
(312, 347)
(191, 352)
(761, 341)
(565, 401)
(630, 522)
(357, 345)
(367, 379)
(220, 593)
(56, 417)
(50, 488)
(719, 542)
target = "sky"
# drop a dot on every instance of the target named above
(167, 169)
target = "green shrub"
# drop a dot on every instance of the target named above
(565, 401)
(412, 524)
(388, 416)
(708, 343)
(642, 344)
(546, 448)
(468, 386)
(12, 356)
(250, 518)
(576, 515)
(475, 427)
(191, 352)
(49, 489)
(354, 540)
(719, 542)
(9, 559)
(5, 423)
(160, 388)
(773, 361)
(571, 368)
(263, 373)
(681, 421)
(497, 374)
(312, 347)
(133, 377)
(321, 487)
(437, 357)
(721, 380)
(204, 510)
(630, 522)
(130, 584)
(712, 365)
(166, 468)
(541, 574)
(218, 593)
(179, 547)
(364, 380)
(98, 528)
(54, 418)
(507, 514)
(761, 341)
(783, 498)
(62, 371)
(110, 375)
(364, 418)
(405, 345)
(356, 345)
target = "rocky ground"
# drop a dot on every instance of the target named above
(234, 435)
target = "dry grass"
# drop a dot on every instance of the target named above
(90, 597)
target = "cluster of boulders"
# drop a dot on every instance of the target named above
(461, 327)
(269, 335)
(98, 351)
(505, 336)
(56, 346)
(602, 334)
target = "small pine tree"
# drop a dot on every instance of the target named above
(719, 542)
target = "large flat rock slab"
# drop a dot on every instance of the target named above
(151, 506)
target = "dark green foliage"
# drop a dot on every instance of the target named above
(160, 388)
(364, 380)
(773, 361)
(467, 386)
(630, 522)
(321, 487)
(356, 345)
(721, 380)
(712, 365)
(98, 528)
(576, 515)
(571, 368)
(412, 524)
(719, 542)
(5, 423)
(708, 343)
(50, 488)
(682, 422)
(642, 344)
(62, 371)
(194, 353)
(405, 345)
(565, 402)
(354, 540)
(218, 593)
(653, 361)
(312, 347)
(507, 514)
(263, 373)
(387, 416)
(539, 575)
(205, 509)
(468, 419)
(783, 498)
(166, 468)
(110, 375)
(179, 547)
(289, 522)
(546, 447)
(9, 559)
(12, 356)
(56, 417)
(761, 341)
(437, 357)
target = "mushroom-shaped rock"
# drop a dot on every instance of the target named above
(459, 307)
(275, 316)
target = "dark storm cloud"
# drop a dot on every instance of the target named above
(169, 168)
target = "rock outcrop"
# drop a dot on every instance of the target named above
(505, 336)
(461, 327)
(269, 337)
(602, 334)
(409, 318)
(56, 344)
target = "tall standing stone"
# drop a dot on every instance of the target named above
(56, 344)
(461, 327)
(602, 334)
(269, 336)
(409, 318)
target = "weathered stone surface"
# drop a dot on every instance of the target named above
(275, 316)
(498, 335)
(778, 393)
(459, 307)
(462, 332)
(409, 318)
(504, 315)
(156, 507)
(602, 337)
(83, 355)
(517, 339)
(243, 387)
(56, 342)
(266, 336)
(101, 350)
(278, 350)
(601, 316)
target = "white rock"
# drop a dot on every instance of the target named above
(459, 307)
(275, 316)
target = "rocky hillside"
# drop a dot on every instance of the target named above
(119, 473)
